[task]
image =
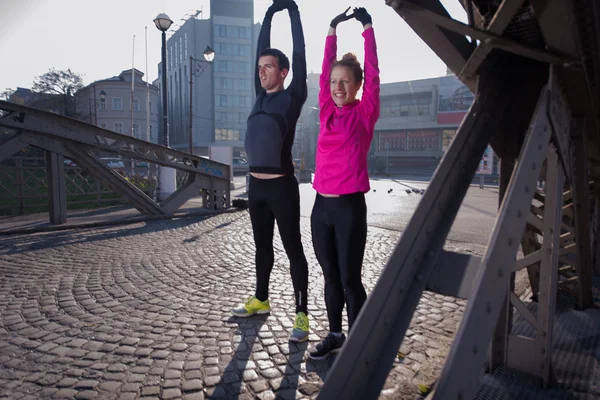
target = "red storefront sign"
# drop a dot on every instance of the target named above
(415, 140)
(451, 117)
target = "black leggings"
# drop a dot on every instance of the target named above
(339, 236)
(270, 200)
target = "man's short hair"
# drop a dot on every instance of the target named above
(282, 60)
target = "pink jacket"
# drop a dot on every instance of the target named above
(345, 134)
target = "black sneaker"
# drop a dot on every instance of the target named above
(330, 345)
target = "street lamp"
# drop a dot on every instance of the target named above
(94, 103)
(167, 184)
(209, 56)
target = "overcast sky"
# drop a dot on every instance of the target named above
(95, 38)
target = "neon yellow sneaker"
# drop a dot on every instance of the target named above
(301, 328)
(252, 306)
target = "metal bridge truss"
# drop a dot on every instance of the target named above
(526, 106)
(64, 137)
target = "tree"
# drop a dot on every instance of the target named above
(61, 84)
(5, 95)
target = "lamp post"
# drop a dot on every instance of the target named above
(209, 56)
(94, 103)
(166, 176)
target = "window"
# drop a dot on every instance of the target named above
(180, 49)
(231, 117)
(242, 118)
(118, 127)
(103, 125)
(222, 30)
(150, 107)
(222, 100)
(103, 104)
(136, 130)
(227, 134)
(117, 104)
(150, 134)
(242, 101)
(136, 104)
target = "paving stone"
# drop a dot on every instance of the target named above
(151, 390)
(192, 385)
(171, 394)
(87, 394)
(65, 394)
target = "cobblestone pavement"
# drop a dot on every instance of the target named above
(142, 310)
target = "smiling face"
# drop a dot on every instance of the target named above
(271, 77)
(343, 85)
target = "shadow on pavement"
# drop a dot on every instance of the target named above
(230, 386)
(39, 241)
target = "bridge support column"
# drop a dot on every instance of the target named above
(57, 189)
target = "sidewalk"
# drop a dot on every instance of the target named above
(141, 310)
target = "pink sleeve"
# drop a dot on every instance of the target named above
(328, 60)
(370, 99)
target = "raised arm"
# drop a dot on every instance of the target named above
(298, 86)
(370, 100)
(264, 42)
(329, 57)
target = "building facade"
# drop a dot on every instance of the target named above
(108, 103)
(417, 122)
(222, 93)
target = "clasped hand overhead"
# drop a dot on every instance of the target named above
(358, 13)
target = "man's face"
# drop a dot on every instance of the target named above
(271, 77)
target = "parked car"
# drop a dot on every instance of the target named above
(69, 163)
(114, 163)
(240, 166)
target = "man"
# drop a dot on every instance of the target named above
(273, 190)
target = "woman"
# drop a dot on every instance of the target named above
(339, 216)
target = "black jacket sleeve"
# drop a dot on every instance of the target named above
(264, 42)
(298, 87)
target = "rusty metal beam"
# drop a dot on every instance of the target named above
(192, 186)
(500, 21)
(114, 181)
(468, 352)
(581, 195)
(454, 49)
(422, 15)
(10, 146)
(57, 189)
(50, 124)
